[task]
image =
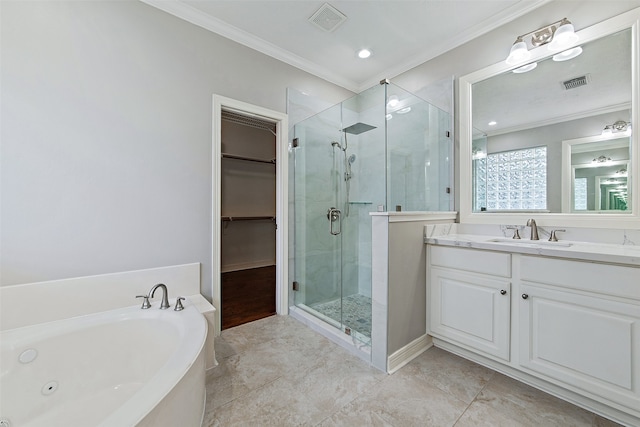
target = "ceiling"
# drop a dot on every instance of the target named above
(400, 33)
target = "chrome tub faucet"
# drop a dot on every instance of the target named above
(165, 295)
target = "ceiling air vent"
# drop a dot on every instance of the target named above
(327, 18)
(577, 82)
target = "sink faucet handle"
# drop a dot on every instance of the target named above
(552, 237)
(516, 231)
(179, 306)
(145, 303)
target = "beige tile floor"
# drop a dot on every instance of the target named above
(278, 372)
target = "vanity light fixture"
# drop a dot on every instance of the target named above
(619, 126)
(558, 36)
(601, 159)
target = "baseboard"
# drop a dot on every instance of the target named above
(407, 353)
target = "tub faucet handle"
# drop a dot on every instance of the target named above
(145, 303)
(179, 306)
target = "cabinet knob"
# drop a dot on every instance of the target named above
(525, 296)
(503, 292)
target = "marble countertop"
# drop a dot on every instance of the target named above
(586, 251)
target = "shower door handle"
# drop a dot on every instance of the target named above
(333, 215)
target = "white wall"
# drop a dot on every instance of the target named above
(106, 127)
(106, 135)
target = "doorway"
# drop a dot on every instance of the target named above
(249, 219)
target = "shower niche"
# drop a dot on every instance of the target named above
(380, 151)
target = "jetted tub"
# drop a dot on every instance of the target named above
(125, 367)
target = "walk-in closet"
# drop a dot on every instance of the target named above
(248, 219)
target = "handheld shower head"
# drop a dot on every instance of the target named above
(352, 158)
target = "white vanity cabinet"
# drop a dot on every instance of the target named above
(579, 326)
(568, 326)
(469, 299)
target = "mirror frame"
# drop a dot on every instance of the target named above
(630, 19)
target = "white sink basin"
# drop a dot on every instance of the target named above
(529, 242)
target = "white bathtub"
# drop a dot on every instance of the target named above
(125, 367)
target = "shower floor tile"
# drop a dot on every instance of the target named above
(355, 309)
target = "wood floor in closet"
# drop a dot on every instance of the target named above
(248, 295)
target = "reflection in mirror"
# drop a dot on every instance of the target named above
(521, 119)
(595, 171)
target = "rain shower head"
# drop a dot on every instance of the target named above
(358, 128)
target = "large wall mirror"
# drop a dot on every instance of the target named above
(555, 139)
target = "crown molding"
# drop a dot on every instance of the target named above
(197, 17)
(194, 16)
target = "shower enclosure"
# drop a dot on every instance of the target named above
(382, 150)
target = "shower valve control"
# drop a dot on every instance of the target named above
(333, 215)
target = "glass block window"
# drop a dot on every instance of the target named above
(511, 180)
(580, 194)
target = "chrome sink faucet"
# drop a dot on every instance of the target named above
(165, 295)
(534, 229)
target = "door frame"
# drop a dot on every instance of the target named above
(282, 197)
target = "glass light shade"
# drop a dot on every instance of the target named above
(525, 68)
(564, 36)
(518, 53)
(567, 54)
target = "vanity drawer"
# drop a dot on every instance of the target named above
(613, 280)
(477, 261)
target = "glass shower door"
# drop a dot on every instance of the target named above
(318, 174)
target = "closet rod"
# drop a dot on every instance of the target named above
(251, 159)
(247, 218)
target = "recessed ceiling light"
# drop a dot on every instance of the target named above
(389, 116)
(364, 53)
(492, 123)
(404, 110)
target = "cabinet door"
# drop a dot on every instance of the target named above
(470, 309)
(588, 342)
